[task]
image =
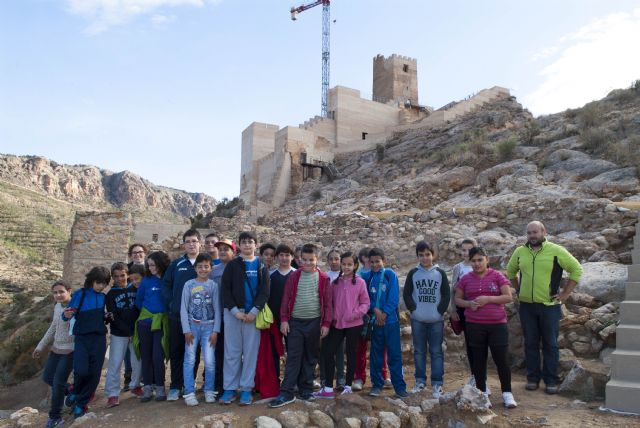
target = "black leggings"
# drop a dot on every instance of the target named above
(495, 337)
(330, 346)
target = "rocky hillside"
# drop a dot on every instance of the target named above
(100, 188)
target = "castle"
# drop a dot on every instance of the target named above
(275, 161)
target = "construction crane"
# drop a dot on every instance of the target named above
(325, 46)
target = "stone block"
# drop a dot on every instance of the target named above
(630, 312)
(632, 291)
(625, 365)
(623, 396)
(634, 273)
(628, 337)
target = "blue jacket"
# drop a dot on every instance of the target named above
(149, 295)
(89, 319)
(387, 296)
(178, 273)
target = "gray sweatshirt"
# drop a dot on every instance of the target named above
(426, 293)
(58, 332)
(200, 302)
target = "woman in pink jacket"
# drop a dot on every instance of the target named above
(350, 304)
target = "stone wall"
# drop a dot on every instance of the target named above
(97, 239)
(395, 79)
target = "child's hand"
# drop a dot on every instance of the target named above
(481, 300)
(381, 317)
(324, 331)
(240, 316)
(68, 313)
(36, 354)
(284, 328)
(213, 339)
(249, 318)
(188, 338)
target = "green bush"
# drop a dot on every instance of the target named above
(596, 139)
(505, 148)
(316, 195)
(530, 131)
(380, 152)
(590, 115)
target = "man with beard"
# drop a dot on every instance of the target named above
(540, 264)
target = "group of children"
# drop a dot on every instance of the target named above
(218, 304)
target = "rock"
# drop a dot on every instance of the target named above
(226, 418)
(578, 382)
(389, 420)
(349, 405)
(293, 418)
(605, 281)
(485, 418)
(606, 356)
(617, 182)
(370, 422)
(604, 256)
(267, 422)
(23, 412)
(472, 399)
(350, 423)
(87, 417)
(429, 404)
(417, 420)
(397, 402)
(571, 165)
(321, 419)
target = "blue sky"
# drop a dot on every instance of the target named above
(164, 88)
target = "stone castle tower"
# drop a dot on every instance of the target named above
(395, 78)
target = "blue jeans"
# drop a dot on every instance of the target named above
(201, 333)
(387, 336)
(56, 373)
(541, 323)
(428, 334)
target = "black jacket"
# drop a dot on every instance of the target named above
(121, 302)
(233, 280)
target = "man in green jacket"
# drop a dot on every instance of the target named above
(540, 264)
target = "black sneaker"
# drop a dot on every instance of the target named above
(55, 422)
(306, 396)
(280, 401)
(551, 389)
(531, 386)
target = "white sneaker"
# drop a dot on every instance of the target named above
(488, 390)
(419, 387)
(190, 399)
(347, 390)
(509, 401)
(357, 385)
(472, 381)
(316, 385)
(388, 384)
(436, 391)
(210, 396)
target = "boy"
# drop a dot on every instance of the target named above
(200, 314)
(178, 273)
(426, 295)
(384, 294)
(90, 343)
(136, 273)
(121, 305)
(267, 254)
(245, 291)
(305, 317)
(284, 255)
(226, 251)
(211, 248)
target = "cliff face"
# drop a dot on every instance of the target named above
(98, 187)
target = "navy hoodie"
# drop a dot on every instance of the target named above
(89, 317)
(178, 273)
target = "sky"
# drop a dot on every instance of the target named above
(164, 88)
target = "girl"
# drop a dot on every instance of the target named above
(151, 338)
(351, 303)
(60, 361)
(483, 293)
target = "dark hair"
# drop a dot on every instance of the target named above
(309, 249)
(356, 264)
(364, 252)
(162, 261)
(425, 246)
(60, 282)
(334, 251)
(191, 232)
(137, 244)
(202, 257)
(139, 269)
(469, 241)
(265, 247)
(209, 235)
(99, 274)
(376, 252)
(247, 234)
(284, 248)
(477, 251)
(119, 266)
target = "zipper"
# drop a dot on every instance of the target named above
(533, 274)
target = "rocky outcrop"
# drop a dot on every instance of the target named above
(100, 188)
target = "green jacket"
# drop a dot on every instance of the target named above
(541, 271)
(159, 321)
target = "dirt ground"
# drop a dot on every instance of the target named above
(534, 408)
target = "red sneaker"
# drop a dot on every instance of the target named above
(137, 391)
(113, 402)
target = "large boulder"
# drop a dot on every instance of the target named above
(349, 405)
(570, 165)
(605, 281)
(617, 182)
(293, 418)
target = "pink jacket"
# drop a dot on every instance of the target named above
(350, 302)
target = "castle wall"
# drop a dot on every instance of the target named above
(322, 127)
(355, 115)
(257, 142)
